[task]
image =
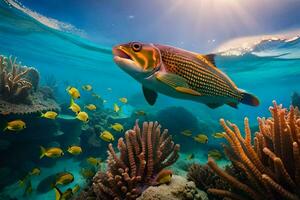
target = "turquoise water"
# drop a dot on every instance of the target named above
(265, 65)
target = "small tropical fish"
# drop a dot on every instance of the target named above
(66, 195)
(75, 150)
(107, 136)
(140, 113)
(216, 154)
(117, 127)
(93, 161)
(76, 188)
(96, 95)
(64, 178)
(52, 152)
(116, 108)
(28, 188)
(83, 116)
(91, 107)
(190, 157)
(87, 87)
(123, 100)
(87, 173)
(180, 74)
(35, 172)
(73, 92)
(163, 177)
(187, 133)
(49, 115)
(15, 125)
(109, 89)
(201, 138)
(74, 106)
(104, 101)
(218, 135)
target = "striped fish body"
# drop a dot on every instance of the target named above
(214, 87)
(180, 74)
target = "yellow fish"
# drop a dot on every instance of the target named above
(64, 178)
(91, 107)
(74, 106)
(140, 113)
(87, 173)
(83, 116)
(16, 125)
(187, 133)
(117, 127)
(107, 136)
(93, 161)
(66, 195)
(52, 152)
(218, 135)
(180, 74)
(73, 92)
(190, 157)
(123, 100)
(75, 150)
(35, 171)
(216, 154)
(201, 138)
(49, 115)
(87, 87)
(163, 177)
(116, 108)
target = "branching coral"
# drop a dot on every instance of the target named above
(16, 81)
(143, 154)
(272, 164)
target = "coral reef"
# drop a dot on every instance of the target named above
(178, 189)
(205, 178)
(271, 165)
(16, 81)
(19, 91)
(143, 154)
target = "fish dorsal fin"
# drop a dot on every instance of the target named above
(213, 105)
(177, 82)
(210, 58)
(150, 95)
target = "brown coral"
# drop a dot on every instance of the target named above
(143, 154)
(16, 81)
(272, 165)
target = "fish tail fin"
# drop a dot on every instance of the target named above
(58, 193)
(249, 99)
(71, 101)
(42, 114)
(5, 128)
(43, 151)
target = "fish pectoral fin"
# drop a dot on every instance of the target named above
(187, 91)
(150, 95)
(176, 82)
(214, 105)
(172, 80)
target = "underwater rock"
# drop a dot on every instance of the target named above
(178, 189)
(143, 154)
(296, 99)
(271, 165)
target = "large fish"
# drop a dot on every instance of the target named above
(180, 74)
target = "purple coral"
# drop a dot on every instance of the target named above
(143, 154)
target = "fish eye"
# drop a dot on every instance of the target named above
(136, 46)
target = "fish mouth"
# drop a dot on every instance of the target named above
(119, 52)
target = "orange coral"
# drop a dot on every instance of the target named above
(143, 155)
(272, 164)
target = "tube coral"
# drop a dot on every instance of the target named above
(143, 155)
(272, 164)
